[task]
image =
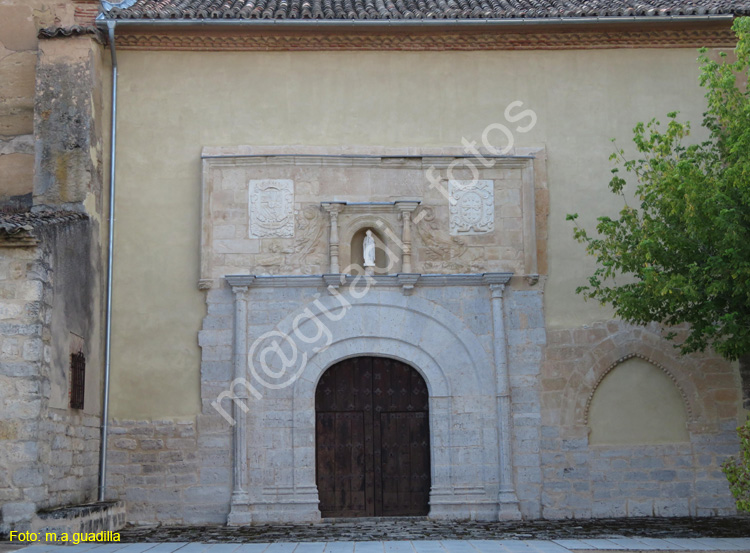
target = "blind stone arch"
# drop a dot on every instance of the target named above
(613, 366)
(637, 402)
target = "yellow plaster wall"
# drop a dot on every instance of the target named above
(174, 103)
(637, 403)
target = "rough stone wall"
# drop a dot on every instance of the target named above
(677, 479)
(526, 338)
(158, 469)
(21, 387)
(19, 22)
(50, 452)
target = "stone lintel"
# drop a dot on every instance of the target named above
(407, 204)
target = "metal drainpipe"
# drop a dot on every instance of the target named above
(110, 259)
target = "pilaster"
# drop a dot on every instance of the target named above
(239, 513)
(508, 507)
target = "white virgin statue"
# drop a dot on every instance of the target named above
(368, 248)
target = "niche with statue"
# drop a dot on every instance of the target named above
(373, 235)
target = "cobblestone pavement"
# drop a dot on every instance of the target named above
(421, 529)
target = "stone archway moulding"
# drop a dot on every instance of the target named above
(468, 388)
(613, 366)
(605, 356)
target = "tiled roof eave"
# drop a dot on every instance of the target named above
(413, 22)
(423, 12)
(281, 25)
(21, 229)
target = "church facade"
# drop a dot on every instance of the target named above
(343, 281)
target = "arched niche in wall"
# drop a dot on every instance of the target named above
(637, 403)
(357, 256)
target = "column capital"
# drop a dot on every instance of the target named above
(240, 291)
(334, 208)
(496, 290)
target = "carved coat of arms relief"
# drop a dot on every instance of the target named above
(271, 208)
(472, 206)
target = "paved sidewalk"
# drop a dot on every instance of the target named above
(651, 545)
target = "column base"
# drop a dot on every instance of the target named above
(239, 513)
(508, 507)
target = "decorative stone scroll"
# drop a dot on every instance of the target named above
(472, 206)
(271, 208)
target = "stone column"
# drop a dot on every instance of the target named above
(406, 209)
(507, 499)
(333, 209)
(239, 513)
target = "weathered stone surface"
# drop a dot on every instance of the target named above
(17, 28)
(69, 158)
(50, 452)
(16, 174)
(17, 82)
(159, 461)
(17, 511)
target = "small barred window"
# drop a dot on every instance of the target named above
(77, 379)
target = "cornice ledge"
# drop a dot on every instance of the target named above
(395, 281)
(496, 278)
(240, 280)
(316, 41)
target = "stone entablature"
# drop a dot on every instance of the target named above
(405, 196)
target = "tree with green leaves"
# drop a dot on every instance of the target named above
(682, 254)
(684, 250)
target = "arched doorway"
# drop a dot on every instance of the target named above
(372, 439)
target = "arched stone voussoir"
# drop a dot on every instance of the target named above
(384, 323)
(438, 383)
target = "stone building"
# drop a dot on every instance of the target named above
(261, 369)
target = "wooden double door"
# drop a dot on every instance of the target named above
(372, 439)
